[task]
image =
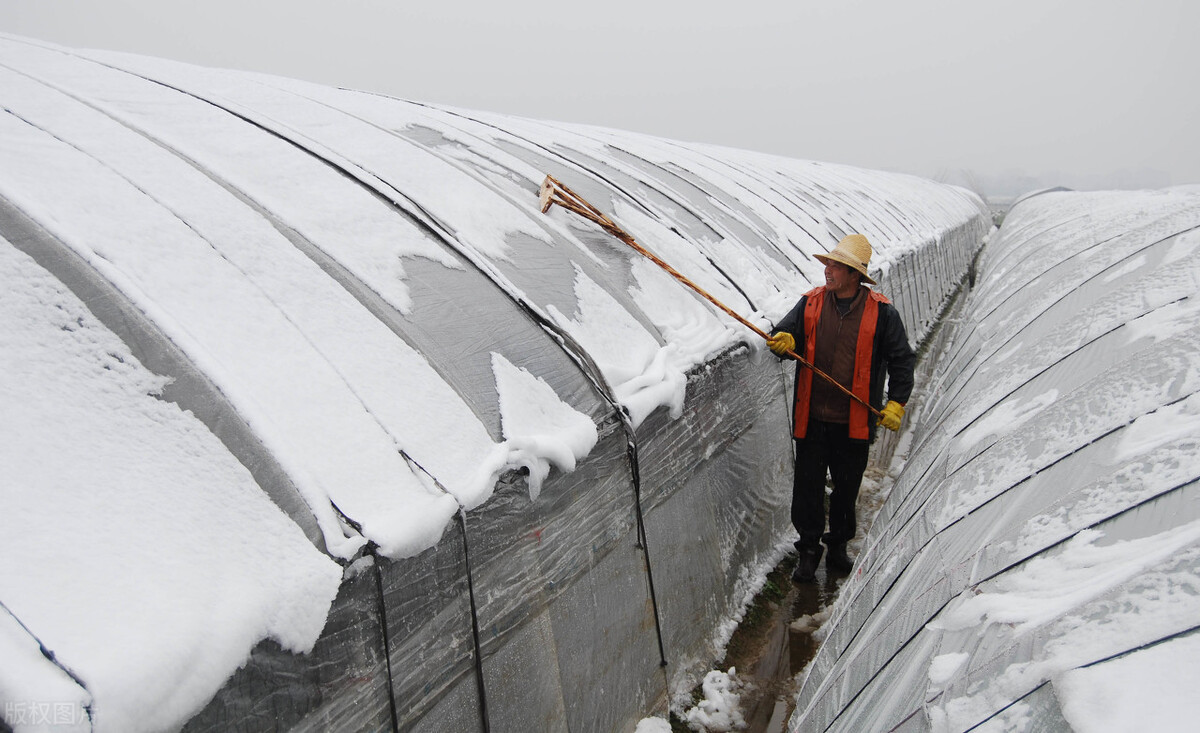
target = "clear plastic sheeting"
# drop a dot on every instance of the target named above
(511, 474)
(1046, 525)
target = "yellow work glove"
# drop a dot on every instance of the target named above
(892, 412)
(782, 342)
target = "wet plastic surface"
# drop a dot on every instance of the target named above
(1029, 443)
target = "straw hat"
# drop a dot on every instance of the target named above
(854, 251)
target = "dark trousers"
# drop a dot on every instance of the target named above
(827, 449)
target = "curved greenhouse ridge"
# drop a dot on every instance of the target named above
(1039, 550)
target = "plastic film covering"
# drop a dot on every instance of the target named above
(1046, 522)
(526, 479)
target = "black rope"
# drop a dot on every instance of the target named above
(381, 608)
(387, 646)
(483, 711)
(645, 547)
(592, 372)
(1143, 647)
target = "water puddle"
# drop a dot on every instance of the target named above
(769, 650)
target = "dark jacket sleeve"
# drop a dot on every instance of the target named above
(895, 355)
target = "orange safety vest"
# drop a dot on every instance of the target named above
(861, 383)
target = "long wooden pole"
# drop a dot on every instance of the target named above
(554, 192)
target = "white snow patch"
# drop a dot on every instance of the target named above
(1153, 689)
(653, 725)
(132, 544)
(1170, 321)
(1158, 603)
(328, 388)
(685, 321)
(644, 375)
(952, 718)
(944, 667)
(1005, 418)
(810, 623)
(720, 709)
(1165, 425)
(539, 428)
(1049, 586)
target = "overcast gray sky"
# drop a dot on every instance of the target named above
(1068, 90)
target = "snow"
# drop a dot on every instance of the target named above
(168, 561)
(810, 623)
(653, 725)
(1165, 322)
(720, 709)
(643, 374)
(1151, 689)
(320, 391)
(1152, 431)
(1005, 419)
(539, 428)
(1050, 586)
(945, 666)
(689, 324)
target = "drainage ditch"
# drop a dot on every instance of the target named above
(776, 639)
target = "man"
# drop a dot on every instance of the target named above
(854, 335)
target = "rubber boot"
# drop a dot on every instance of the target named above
(806, 566)
(838, 561)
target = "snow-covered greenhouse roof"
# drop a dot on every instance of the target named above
(263, 340)
(1037, 563)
